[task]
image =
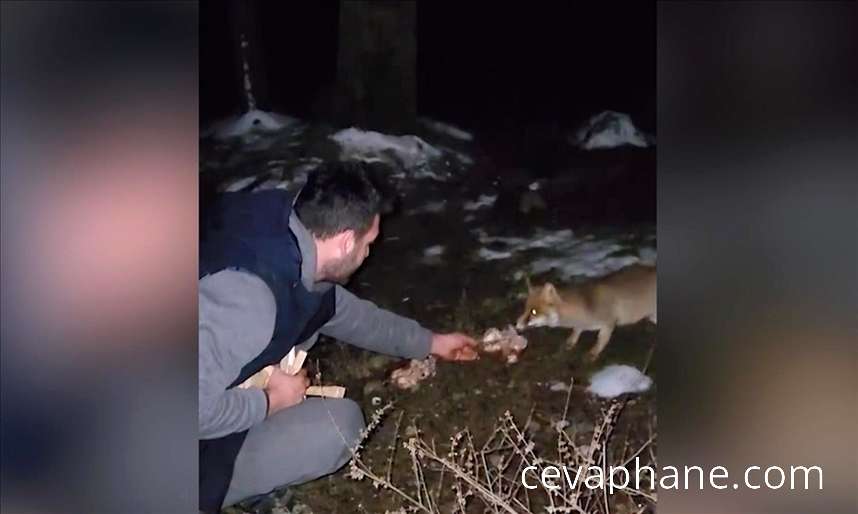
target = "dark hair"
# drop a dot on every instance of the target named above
(338, 196)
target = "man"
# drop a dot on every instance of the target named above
(272, 280)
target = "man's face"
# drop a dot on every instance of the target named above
(340, 270)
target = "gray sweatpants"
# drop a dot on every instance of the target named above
(294, 446)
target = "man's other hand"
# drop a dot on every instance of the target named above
(454, 347)
(286, 390)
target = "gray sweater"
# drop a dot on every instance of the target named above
(236, 321)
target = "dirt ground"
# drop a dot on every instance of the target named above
(605, 195)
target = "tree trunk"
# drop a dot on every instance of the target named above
(249, 61)
(377, 65)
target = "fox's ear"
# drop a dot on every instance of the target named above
(548, 291)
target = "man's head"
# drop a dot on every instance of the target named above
(340, 206)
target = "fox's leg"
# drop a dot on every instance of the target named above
(601, 342)
(572, 340)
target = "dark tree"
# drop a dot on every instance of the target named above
(377, 65)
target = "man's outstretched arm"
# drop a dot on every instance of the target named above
(365, 325)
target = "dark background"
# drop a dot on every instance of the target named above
(761, 201)
(478, 65)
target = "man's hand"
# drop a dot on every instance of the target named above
(454, 347)
(286, 390)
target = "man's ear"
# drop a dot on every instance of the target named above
(347, 242)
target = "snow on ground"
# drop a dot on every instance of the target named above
(585, 259)
(615, 380)
(252, 122)
(278, 177)
(293, 179)
(609, 129)
(559, 387)
(464, 159)
(240, 140)
(567, 255)
(409, 152)
(492, 255)
(482, 201)
(433, 256)
(272, 183)
(238, 184)
(447, 129)
(433, 251)
(431, 208)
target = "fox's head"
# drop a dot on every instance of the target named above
(540, 310)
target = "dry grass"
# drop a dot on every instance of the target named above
(464, 476)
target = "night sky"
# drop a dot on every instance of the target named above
(478, 65)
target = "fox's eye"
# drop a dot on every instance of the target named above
(533, 312)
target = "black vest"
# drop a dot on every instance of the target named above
(250, 231)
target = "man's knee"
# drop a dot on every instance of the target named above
(297, 445)
(336, 442)
(348, 419)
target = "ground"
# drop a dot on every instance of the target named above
(607, 195)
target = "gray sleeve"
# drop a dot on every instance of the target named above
(363, 324)
(224, 411)
(236, 321)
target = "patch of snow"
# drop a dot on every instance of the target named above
(293, 178)
(272, 183)
(434, 251)
(615, 380)
(482, 201)
(583, 258)
(446, 128)
(431, 207)
(558, 386)
(308, 166)
(609, 129)
(463, 158)
(410, 152)
(248, 124)
(566, 254)
(541, 239)
(432, 256)
(492, 255)
(238, 184)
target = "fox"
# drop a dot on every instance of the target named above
(623, 297)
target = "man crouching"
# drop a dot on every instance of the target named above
(272, 271)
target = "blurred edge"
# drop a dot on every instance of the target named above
(758, 251)
(99, 256)
(758, 248)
